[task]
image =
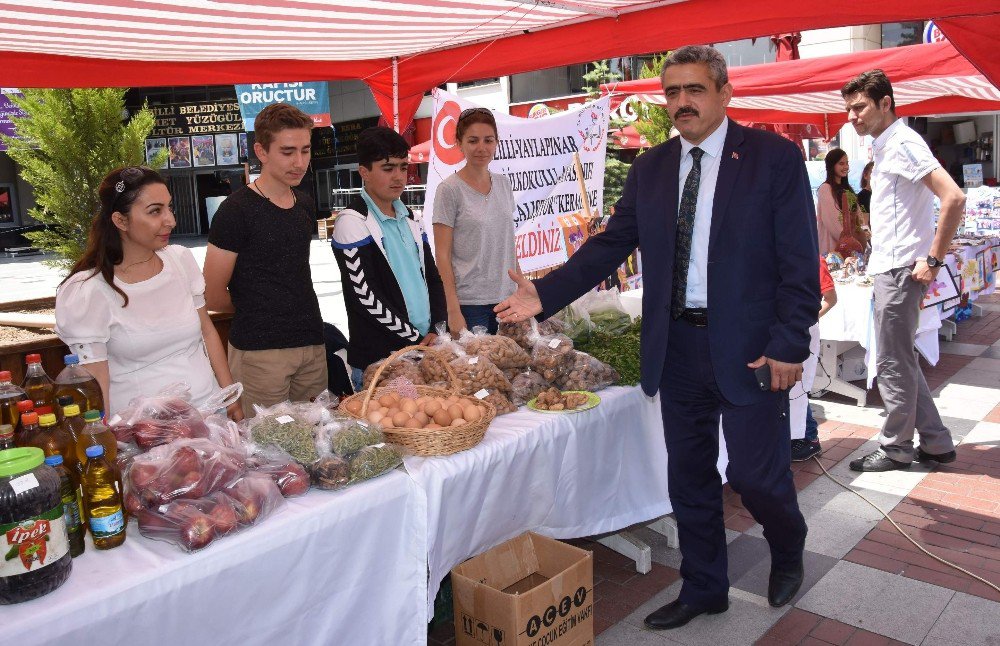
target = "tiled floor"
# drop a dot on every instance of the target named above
(865, 584)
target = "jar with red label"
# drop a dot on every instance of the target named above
(34, 545)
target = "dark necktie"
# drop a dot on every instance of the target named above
(685, 229)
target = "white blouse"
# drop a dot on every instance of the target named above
(153, 342)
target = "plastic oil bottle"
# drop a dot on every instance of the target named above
(101, 501)
(94, 433)
(71, 506)
(37, 384)
(23, 406)
(73, 423)
(75, 381)
(9, 396)
(6, 437)
(52, 440)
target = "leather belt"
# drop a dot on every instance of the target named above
(697, 317)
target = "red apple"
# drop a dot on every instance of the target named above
(197, 532)
(142, 473)
(133, 503)
(223, 513)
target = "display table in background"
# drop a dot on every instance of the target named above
(345, 567)
(851, 322)
(562, 475)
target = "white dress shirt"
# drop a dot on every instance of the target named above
(902, 207)
(697, 279)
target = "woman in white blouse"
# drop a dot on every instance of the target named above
(829, 217)
(133, 307)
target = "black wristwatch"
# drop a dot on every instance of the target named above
(934, 262)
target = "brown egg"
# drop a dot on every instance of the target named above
(354, 406)
(471, 413)
(391, 412)
(452, 399)
(455, 411)
(432, 426)
(442, 417)
(457, 422)
(432, 407)
(375, 417)
(400, 419)
(422, 418)
(413, 423)
(386, 400)
(407, 405)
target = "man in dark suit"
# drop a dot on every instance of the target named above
(725, 220)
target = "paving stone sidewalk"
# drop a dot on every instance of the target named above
(865, 584)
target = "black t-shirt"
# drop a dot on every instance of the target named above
(271, 287)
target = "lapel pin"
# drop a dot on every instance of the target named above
(736, 155)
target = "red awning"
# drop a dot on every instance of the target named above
(404, 48)
(926, 79)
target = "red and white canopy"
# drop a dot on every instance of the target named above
(926, 79)
(403, 48)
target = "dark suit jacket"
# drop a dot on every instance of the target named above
(763, 276)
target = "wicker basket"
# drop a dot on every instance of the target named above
(422, 441)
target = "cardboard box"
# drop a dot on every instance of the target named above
(529, 591)
(853, 366)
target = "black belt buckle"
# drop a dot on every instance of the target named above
(697, 317)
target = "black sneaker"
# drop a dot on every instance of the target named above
(940, 458)
(877, 461)
(802, 450)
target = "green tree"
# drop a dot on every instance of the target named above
(68, 141)
(615, 170)
(654, 122)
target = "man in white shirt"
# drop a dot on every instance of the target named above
(906, 256)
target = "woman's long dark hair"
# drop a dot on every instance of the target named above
(838, 184)
(118, 192)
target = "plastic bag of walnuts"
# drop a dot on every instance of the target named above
(526, 386)
(499, 400)
(503, 351)
(406, 367)
(476, 373)
(586, 373)
(552, 356)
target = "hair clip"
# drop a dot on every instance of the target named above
(120, 186)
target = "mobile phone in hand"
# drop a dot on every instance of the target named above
(763, 375)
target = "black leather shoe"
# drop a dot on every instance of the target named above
(877, 461)
(940, 458)
(676, 614)
(783, 584)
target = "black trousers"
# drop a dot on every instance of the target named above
(758, 443)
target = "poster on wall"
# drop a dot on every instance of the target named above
(180, 152)
(8, 111)
(204, 150)
(243, 147)
(537, 156)
(227, 150)
(6, 204)
(156, 156)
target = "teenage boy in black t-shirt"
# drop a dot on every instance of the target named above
(257, 266)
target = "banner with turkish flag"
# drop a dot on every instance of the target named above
(537, 156)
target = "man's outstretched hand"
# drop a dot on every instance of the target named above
(522, 304)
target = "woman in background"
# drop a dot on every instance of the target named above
(829, 216)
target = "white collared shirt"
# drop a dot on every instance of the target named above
(902, 207)
(697, 280)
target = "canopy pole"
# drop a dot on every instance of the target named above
(583, 187)
(395, 93)
(826, 126)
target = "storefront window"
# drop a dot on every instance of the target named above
(898, 34)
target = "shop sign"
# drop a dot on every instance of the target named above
(8, 110)
(200, 118)
(342, 139)
(933, 33)
(313, 98)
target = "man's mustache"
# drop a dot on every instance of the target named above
(684, 111)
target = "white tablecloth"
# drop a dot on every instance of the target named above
(345, 567)
(564, 476)
(853, 319)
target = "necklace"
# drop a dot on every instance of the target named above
(141, 262)
(261, 193)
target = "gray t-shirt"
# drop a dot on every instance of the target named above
(483, 239)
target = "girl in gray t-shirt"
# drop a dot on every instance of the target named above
(474, 228)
